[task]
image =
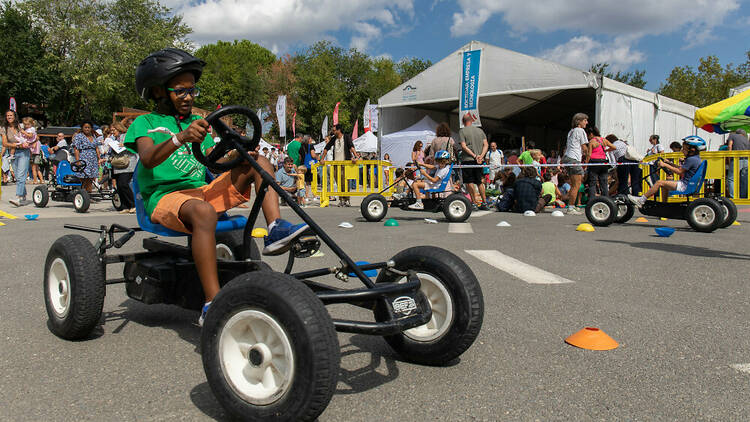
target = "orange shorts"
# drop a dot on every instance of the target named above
(220, 193)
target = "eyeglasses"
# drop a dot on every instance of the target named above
(183, 92)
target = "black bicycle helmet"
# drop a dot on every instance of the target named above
(161, 66)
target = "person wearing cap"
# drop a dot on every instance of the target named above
(172, 181)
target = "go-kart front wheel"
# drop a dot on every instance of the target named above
(117, 202)
(601, 211)
(74, 287)
(40, 196)
(81, 200)
(625, 210)
(704, 214)
(270, 351)
(457, 303)
(374, 207)
(457, 208)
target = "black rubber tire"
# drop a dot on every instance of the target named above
(730, 212)
(85, 201)
(86, 287)
(624, 217)
(693, 214)
(117, 202)
(467, 305)
(453, 214)
(364, 208)
(309, 330)
(40, 196)
(240, 250)
(598, 215)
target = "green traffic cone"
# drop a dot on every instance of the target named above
(391, 222)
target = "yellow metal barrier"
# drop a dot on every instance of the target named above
(720, 163)
(344, 178)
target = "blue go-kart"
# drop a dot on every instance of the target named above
(703, 214)
(268, 344)
(67, 187)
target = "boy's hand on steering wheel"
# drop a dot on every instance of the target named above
(196, 132)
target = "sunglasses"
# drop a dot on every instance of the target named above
(183, 92)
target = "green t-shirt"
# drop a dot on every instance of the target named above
(292, 150)
(525, 158)
(548, 188)
(178, 172)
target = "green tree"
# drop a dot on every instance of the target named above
(707, 84)
(409, 67)
(634, 78)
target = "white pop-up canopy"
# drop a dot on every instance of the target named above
(399, 145)
(366, 143)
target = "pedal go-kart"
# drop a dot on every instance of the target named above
(456, 207)
(67, 187)
(269, 347)
(704, 214)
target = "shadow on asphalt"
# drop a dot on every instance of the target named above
(683, 249)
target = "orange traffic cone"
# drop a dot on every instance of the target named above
(641, 220)
(592, 339)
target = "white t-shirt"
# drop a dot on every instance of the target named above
(440, 174)
(495, 158)
(655, 149)
(576, 139)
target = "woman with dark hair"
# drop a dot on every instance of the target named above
(443, 141)
(85, 148)
(123, 174)
(598, 173)
(20, 162)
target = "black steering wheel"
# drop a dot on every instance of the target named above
(78, 166)
(230, 139)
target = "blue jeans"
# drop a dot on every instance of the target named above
(743, 178)
(21, 166)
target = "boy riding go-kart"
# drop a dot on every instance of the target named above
(268, 345)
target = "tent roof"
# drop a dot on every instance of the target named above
(510, 81)
(424, 125)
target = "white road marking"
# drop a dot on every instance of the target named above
(480, 213)
(463, 228)
(742, 367)
(518, 269)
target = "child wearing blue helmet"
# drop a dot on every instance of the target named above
(442, 159)
(691, 148)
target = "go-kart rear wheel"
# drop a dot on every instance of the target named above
(117, 202)
(74, 287)
(81, 200)
(40, 196)
(601, 211)
(456, 208)
(729, 212)
(231, 246)
(455, 297)
(704, 214)
(625, 211)
(270, 351)
(374, 207)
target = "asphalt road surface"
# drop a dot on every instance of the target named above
(678, 306)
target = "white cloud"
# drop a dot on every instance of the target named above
(581, 52)
(615, 18)
(278, 24)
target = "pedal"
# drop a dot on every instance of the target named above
(305, 246)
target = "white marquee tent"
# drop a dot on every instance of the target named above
(366, 143)
(520, 95)
(398, 145)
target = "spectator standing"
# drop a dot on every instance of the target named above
(474, 147)
(737, 141)
(343, 149)
(627, 170)
(443, 141)
(495, 159)
(292, 150)
(20, 162)
(122, 175)
(35, 149)
(576, 152)
(85, 148)
(310, 158)
(598, 173)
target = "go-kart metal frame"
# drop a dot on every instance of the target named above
(401, 317)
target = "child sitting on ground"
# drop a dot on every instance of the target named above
(527, 190)
(550, 193)
(442, 158)
(691, 148)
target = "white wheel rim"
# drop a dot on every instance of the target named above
(78, 200)
(704, 214)
(621, 210)
(37, 196)
(442, 310)
(224, 252)
(600, 211)
(58, 287)
(375, 208)
(116, 200)
(256, 357)
(725, 209)
(457, 208)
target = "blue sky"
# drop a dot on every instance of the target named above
(629, 34)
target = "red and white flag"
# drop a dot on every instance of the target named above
(355, 132)
(294, 119)
(336, 114)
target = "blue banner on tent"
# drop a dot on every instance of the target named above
(469, 96)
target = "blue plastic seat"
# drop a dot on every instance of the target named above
(695, 183)
(443, 183)
(225, 223)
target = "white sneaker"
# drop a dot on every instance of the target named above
(416, 206)
(573, 211)
(635, 200)
(16, 201)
